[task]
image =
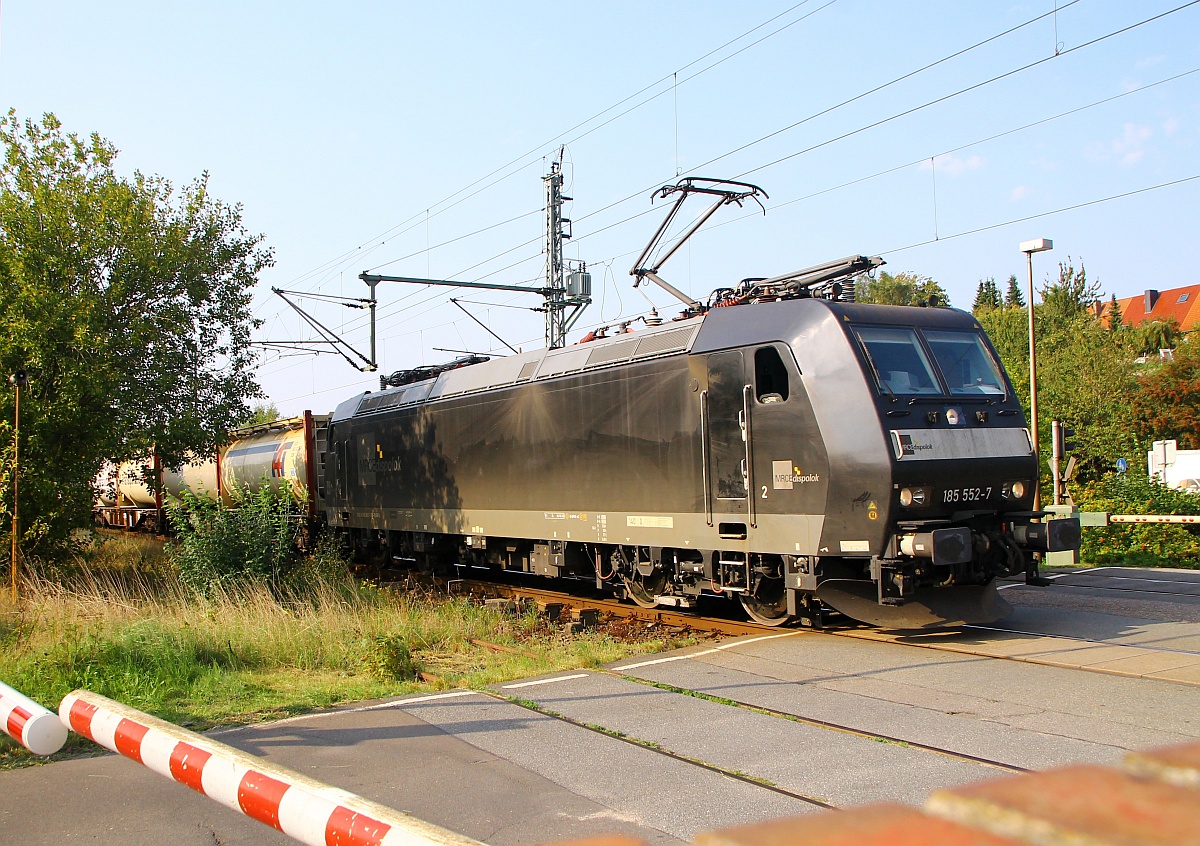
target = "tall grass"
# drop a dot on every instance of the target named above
(121, 623)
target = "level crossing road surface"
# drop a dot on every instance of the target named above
(666, 746)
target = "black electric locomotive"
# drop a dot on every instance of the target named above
(800, 454)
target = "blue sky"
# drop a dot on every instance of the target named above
(368, 136)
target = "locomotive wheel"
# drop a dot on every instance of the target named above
(643, 589)
(767, 603)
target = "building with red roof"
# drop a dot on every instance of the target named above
(1181, 305)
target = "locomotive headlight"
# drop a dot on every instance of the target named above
(952, 416)
(910, 497)
(1013, 490)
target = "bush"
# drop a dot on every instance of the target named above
(253, 540)
(1139, 544)
(388, 658)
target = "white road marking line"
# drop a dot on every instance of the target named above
(715, 649)
(545, 681)
(400, 703)
(391, 703)
(755, 640)
(666, 660)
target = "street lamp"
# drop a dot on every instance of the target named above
(18, 380)
(1037, 245)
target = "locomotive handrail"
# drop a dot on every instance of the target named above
(705, 444)
(748, 437)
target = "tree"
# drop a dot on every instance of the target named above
(1086, 373)
(1167, 402)
(1013, 298)
(987, 295)
(262, 412)
(129, 304)
(1086, 377)
(1069, 297)
(905, 288)
(1114, 315)
(1155, 335)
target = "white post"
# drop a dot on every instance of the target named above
(28, 723)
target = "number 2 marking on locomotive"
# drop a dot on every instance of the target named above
(764, 492)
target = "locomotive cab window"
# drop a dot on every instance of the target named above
(770, 376)
(965, 362)
(897, 359)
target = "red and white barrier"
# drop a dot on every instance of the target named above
(299, 806)
(28, 723)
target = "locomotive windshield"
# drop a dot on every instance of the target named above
(899, 362)
(901, 365)
(964, 361)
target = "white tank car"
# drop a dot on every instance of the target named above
(127, 485)
(276, 454)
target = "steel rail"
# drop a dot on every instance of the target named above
(649, 746)
(681, 620)
(819, 723)
(662, 616)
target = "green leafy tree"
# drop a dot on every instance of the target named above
(1141, 544)
(1086, 377)
(1071, 296)
(262, 412)
(1167, 402)
(1086, 374)
(1013, 298)
(128, 302)
(905, 288)
(1155, 335)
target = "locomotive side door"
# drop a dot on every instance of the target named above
(339, 472)
(727, 430)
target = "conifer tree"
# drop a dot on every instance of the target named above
(987, 295)
(1114, 314)
(1013, 297)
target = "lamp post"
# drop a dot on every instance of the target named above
(18, 380)
(1037, 245)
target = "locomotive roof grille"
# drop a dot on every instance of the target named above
(610, 353)
(527, 370)
(664, 342)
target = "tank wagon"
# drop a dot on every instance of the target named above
(799, 455)
(283, 453)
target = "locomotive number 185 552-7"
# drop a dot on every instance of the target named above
(966, 494)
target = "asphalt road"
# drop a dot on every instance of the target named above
(671, 745)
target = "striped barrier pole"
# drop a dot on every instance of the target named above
(300, 807)
(1154, 518)
(28, 723)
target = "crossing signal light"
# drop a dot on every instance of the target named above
(1062, 439)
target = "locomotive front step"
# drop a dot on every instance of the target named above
(927, 608)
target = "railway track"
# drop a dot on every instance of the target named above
(1130, 661)
(659, 750)
(680, 620)
(1183, 587)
